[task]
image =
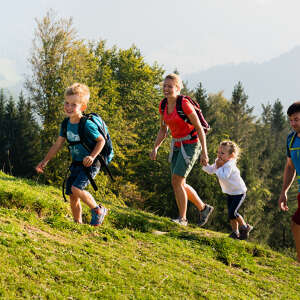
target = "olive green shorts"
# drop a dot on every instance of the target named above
(178, 164)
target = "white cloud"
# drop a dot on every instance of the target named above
(8, 73)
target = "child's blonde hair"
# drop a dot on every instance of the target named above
(79, 89)
(176, 78)
(232, 147)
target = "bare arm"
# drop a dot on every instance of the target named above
(51, 153)
(88, 160)
(162, 133)
(195, 121)
(288, 178)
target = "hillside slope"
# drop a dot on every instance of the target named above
(134, 255)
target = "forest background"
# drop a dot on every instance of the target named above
(125, 91)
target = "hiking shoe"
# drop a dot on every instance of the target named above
(204, 214)
(98, 214)
(244, 233)
(180, 221)
(234, 235)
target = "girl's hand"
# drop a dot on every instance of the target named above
(153, 154)
(219, 163)
(88, 161)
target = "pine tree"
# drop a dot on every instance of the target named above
(279, 121)
(201, 98)
(239, 115)
(2, 129)
(10, 127)
(28, 144)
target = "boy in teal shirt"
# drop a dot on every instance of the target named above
(76, 100)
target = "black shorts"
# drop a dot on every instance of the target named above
(233, 203)
(79, 178)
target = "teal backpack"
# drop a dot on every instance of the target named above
(107, 152)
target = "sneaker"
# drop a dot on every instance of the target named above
(244, 233)
(98, 214)
(180, 221)
(234, 235)
(204, 214)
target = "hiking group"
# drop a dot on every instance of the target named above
(90, 147)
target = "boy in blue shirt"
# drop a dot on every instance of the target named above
(76, 100)
(292, 167)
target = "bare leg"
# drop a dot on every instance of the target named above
(183, 193)
(178, 183)
(193, 197)
(76, 208)
(240, 220)
(296, 234)
(234, 225)
(85, 196)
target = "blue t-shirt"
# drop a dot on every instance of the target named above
(78, 152)
(293, 151)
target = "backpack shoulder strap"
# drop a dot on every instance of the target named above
(81, 127)
(163, 105)
(81, 132)
(64, 126)
(102, 131)
(292, 141)
(101, 126)
(179, 109)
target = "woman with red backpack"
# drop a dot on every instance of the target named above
(178, 114)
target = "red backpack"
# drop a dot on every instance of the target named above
(181, 113)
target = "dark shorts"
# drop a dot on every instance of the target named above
(233, 203)
(296, 216)
(78, 177)
(178, 164)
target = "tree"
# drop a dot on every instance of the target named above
(57, 60)
(28, 142)
(20, 138)
(2, 128)
(201, 98)
(278, 119)
(239, 115)
(129, 91)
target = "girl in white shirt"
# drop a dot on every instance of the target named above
(233, 185)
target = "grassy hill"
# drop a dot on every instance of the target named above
(134, 255)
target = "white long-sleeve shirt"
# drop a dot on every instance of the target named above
(229, 177)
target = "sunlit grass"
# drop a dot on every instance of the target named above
(134, 255)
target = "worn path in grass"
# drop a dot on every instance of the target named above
(134, 255)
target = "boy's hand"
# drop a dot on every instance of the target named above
(88, 161)
(40, 167)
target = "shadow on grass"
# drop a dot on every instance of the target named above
(139, 220)
(230, 252)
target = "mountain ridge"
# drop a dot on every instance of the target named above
(264, 82)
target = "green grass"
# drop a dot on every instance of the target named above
(134, 255)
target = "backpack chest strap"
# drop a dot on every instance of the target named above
(71, 143)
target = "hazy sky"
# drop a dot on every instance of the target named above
(190, 35)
